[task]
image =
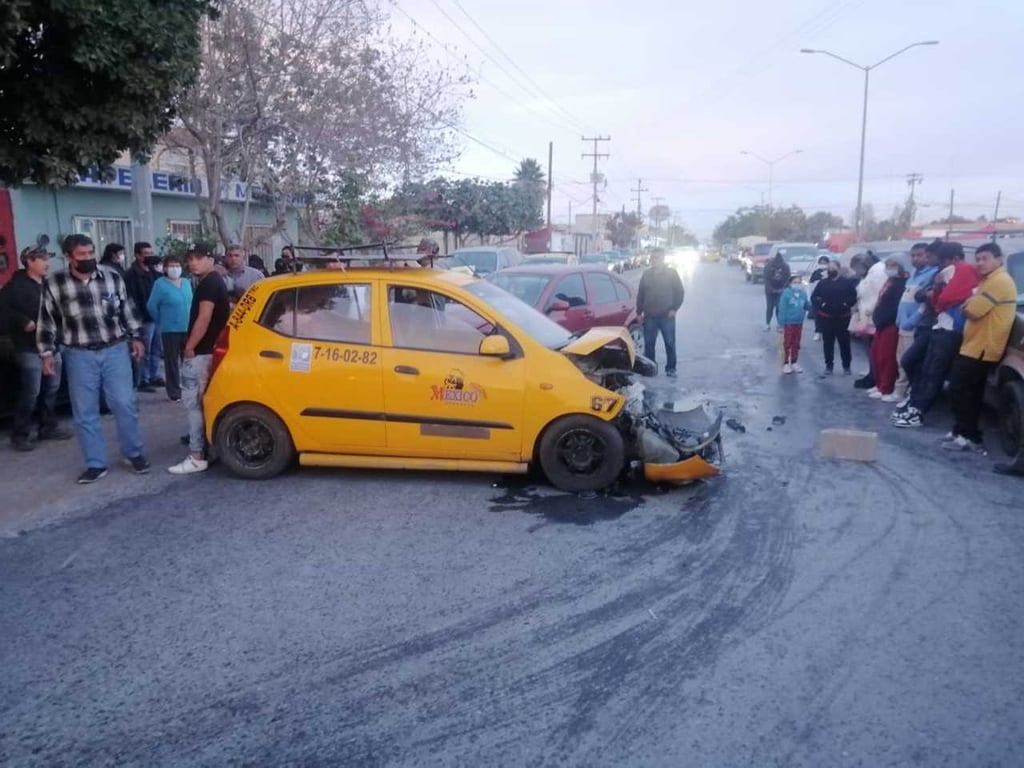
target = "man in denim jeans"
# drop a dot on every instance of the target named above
(209, 315)
(86, 313)
(37, 394)
(657, 300)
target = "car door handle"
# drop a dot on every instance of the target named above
(407, 369)
(272, 354)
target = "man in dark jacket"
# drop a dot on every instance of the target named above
(833, 301)
(776, 277)
(658, 298)
(37, 394)
(139, 279)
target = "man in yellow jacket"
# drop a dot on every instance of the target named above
(990, 313)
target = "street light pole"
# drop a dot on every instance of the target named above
(771, 170)
(864, 114)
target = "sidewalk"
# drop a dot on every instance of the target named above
(39, 487)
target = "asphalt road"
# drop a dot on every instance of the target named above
(794, 612)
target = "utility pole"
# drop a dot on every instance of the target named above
(995, 216)
(551, 157)
(142, 201)
(949, 221)
(593, 176)
(657, 222)
(640, 189)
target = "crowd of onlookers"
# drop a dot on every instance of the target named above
(930, 318)
(112, 330)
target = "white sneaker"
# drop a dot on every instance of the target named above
(797, 368)
(189, 466)
(768, 327)
(875, 394)
(817, 337)
(873, 391)
(787, 368)
(892, 397)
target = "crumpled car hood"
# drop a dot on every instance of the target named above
(598, 338)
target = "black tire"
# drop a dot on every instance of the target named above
(581, 453)
(253, 443)
(1011, 417)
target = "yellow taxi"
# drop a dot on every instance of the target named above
(416, 368)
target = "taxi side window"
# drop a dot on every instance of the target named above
(422, 319)
(338, 313)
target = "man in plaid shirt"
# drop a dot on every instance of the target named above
(86, 314)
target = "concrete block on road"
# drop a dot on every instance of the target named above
(849, 444)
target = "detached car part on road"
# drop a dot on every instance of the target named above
(410, 368)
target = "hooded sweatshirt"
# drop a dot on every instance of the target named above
(793, 306)
(868, 290)
(909, 312)
(957, 282)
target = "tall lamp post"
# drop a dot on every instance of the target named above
(864, 117)
(771, 169)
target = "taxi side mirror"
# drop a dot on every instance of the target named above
(495, 346)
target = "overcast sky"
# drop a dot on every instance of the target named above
(683, 87)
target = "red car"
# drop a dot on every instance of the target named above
(577, 297)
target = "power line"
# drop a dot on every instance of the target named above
(640, 189)
(498, 64)
(508, 58)
(479, 75)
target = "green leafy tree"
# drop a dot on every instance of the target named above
(622, 228)
(83, 80)
(776, 224)
(529, 171)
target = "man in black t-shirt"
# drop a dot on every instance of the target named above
(209, 315)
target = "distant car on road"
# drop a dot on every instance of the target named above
(801, 258)
(612, 260)
(576, 297)
(486, 259)
(758, 257)
(552, 257)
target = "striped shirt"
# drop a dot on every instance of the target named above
(84, 313)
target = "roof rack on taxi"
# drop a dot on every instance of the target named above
(343, 254)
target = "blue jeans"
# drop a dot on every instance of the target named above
(195, 378)
(110, 371)
(148, 368)
(667, 327)
(37, 395)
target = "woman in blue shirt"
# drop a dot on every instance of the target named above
(169, 305)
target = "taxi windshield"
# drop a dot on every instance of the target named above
(539, 326)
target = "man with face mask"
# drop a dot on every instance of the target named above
(833, 300)
(139, 279)
(86, 314)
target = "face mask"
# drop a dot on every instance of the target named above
(833, 274)
(158, 267)
(174, 272)
(86, 266)
(892, 272)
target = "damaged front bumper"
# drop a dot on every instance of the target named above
(677, 447)
(672, 446)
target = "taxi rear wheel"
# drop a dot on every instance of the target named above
(1012, 417)
(252, 442)
(581, 453)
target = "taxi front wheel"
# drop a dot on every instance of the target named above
(253, 443)
(581, 453)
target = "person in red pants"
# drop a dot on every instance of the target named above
(887, 333)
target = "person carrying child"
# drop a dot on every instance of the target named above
(791, 313)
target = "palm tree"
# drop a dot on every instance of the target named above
(529, 170)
